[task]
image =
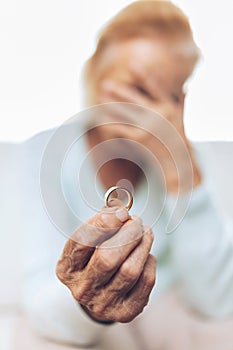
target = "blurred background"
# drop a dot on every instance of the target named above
(44, 45)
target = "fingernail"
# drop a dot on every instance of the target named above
(122, 214)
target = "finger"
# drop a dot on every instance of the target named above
(141, 118)
(147, 81)
(108, 257)
(101, 226)
(123, 93)
(113, 202)
(134, 121)
(138, 297)
(82, 243)
(159, 102)
(131, 230)
(131, 269)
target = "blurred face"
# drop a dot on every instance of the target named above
(145, 71)
(162, 61)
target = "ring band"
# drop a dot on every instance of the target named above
(115, 188)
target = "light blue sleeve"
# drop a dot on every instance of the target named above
(202, 254)
(48, 304)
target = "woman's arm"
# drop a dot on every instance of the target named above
(202, 254)
(49, 305)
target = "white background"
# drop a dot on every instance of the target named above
(45, 43)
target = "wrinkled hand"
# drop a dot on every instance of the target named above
(107, 266)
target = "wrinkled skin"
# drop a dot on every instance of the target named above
(112, 281)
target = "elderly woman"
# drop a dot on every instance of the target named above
(143, 58)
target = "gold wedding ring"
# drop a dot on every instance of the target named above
(116, 188)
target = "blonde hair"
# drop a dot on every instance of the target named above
(142, 18)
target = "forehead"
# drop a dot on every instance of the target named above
(168, 61)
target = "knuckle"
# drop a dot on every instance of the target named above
(129, 272)
(150, 234)
(134, 231)
(106, 220)
(131, 310)
(97, 308)
(71, 244)
(149, 273)
(105, 260)
(59, 271)
(77, 294)
(149, 279)
(62, 270)
(148, 238)
(80, 293)
(138, 307)
(126, 317)
(153, 261)
(100, 221)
